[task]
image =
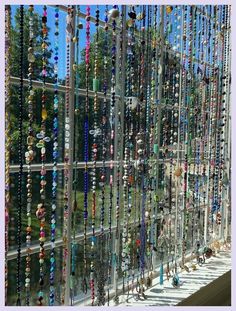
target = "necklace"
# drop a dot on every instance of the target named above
(69, 33)
(86, 128)
(41, 210)
(94, 156)
(20, 158)
(79, 26)
(55, 160)
(29, 155)
(112, 135)
(101, 280)
(7, 135)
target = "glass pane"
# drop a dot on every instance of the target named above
(35, 201)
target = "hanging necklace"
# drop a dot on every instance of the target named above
(29, 155)
(7, 135)
(41, 210)
(112, 108)
(150, 120)
(139, 140)
(55, 161)
(86, 128)
(94, 157)
(130, 146)
(118, 154)
(101, 279)
(185, 226)
(125, 246)
(177, 131)
(220, 127)
(75, 158)
(69, 33)
(20, 158)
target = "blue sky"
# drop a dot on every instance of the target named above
(62, 31)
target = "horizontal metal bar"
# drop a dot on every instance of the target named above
(59, 242)
(61, 88)
(79, 165)
(60, 166)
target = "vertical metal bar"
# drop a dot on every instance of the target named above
(70, 178)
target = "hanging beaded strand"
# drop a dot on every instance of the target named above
(94, 158)
(149, 144)
(55, 161)
(20, 159)
(86, 128)
(75, 218)
(153, 146)
(7, 135)
(115, 13)
(185, 143)
(101, 281)
(69, 32)
(125, 246)
(131, 88)
(118, 155)
(29, 155)
(41, 210)
(220, 125)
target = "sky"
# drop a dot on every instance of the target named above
(82, 39)
(62, 29)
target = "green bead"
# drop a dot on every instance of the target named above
(39, 145)
(95, 85)
(169, 28)
(155, 148)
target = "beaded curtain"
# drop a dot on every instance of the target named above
(120, 148)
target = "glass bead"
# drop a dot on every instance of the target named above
(31, 58)
(39, 145)
(47, 139)
(44, 114)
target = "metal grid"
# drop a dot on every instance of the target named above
(120, 98)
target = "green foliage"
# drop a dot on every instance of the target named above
(14, 71)
(15, 48)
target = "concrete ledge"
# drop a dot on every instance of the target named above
(217, 293)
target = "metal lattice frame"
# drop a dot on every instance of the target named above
(120, 97)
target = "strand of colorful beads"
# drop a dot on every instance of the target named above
(94, 157)
(69, 32)
(114, 13)
(55, 161)
(86, 127)
(29, 155)
(20, 159)
(7, 135)
(101, 281)
(41, 208)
